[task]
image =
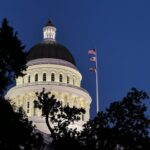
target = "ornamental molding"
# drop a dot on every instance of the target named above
(51, 61)
(37, 87)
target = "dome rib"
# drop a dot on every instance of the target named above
(50, 50)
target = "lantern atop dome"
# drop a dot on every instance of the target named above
(49, 32)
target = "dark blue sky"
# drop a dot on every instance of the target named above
(119, 29)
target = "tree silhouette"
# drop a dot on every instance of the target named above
(124, 125)
(12, 57)
(58, 118)
(16, 131)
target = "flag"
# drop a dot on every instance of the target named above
(92, 51)
(93, 59)
(93, 69)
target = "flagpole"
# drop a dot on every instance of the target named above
(97, 91)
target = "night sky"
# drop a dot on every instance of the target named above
(118, 29)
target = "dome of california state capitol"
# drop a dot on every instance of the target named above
(50, 65)
(50, 50)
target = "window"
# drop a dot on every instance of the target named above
(29, 79)
(28, 104)
(60, 78)
(82, 117)
(67, 79)
(36, 77)
(52, 77)
(44, 76)
(35, 104)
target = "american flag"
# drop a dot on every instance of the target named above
(93, 59)
(93, 69)
(92, 51)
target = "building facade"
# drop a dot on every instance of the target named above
(50, 65)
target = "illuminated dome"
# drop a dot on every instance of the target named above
(51, 66)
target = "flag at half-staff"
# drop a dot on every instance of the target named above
(93, 58)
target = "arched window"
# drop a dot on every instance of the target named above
(36, 77)
(29, 79)
(60, 78)
(67, 79)
(28, 104)
(82, 117)
(28, 107)
(52, 77)
(44, 76)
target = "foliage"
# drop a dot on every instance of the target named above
(12, 57)
(16, 131)
(59, 118)
(123, 125)
(67, 143)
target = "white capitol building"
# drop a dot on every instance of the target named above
(51, 66)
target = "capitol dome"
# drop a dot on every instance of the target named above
(50, 50)
(51, 66)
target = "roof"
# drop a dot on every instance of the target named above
(49, 23)
(50, 50)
